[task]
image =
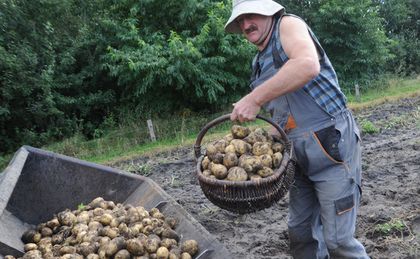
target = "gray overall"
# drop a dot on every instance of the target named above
(325, 197)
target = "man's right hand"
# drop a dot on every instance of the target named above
(245, 109)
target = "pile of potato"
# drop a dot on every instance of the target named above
(103, 229)
(243, 155)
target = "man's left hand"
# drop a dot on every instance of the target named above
(245, 109)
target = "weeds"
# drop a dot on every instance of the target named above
(136, 168)
(175, 182)
(412, 118)
(81, 206)
(368, 127)
(395, 227)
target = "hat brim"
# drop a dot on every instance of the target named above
(268, 8)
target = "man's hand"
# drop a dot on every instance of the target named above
(245, 109)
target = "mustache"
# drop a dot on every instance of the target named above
(251, 29)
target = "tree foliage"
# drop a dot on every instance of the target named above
(402, 25)
(352, 34)
(69, 66)
(163, 67)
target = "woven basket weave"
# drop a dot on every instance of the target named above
(247, 196)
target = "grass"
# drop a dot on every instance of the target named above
(395, 227)
(131, 140)
(395, 89)
(368, 127)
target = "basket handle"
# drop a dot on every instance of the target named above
(197, 146)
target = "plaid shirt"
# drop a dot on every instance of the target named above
(324, 89)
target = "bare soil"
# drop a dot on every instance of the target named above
(389, 216)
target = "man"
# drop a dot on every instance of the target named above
(294, 80)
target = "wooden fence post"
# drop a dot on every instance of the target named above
(357, 88)
(151, 130)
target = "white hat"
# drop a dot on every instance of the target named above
(239, 7)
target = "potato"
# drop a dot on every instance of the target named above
(158, 231)
(142, 212)
(211, 150)
(114, 246)
(123, 229)
(122, 254)
(98, 202)
(250, 163)
(277, 157)
(50, 255)
(241, 147)
(228, 138)
(205, 163)
(83, 217)
(54, 223)
(162, 253)
(171, 222)
(67, 250)
(277, 147)
(159, 215)
(98, 211)
(175, 252)
(217, 158)
(261, 148)
(185, 256)
(72, 256)
(78, 228)
(94, 226)
(190, 247)
(230, 149)
(30, 246)
(152, 245)
(33, 254)
(220, 171)
(261, 132)
(237, 174)
(266, 160)
(239, 132)
(170, 233)
(86, 248)
(109, 232)
(206, 173)
(66, 218)
(105, 219)
(173, 256)
(255, 137)
(31, 236)
(168, 243)
(230, 160)
(265, 172)
(135, 246)
(220, 145)
(120, 237)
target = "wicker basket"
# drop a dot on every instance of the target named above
(247, 196)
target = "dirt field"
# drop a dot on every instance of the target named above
(389, 216)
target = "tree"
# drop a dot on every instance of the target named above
(187, 63)
(352, 34)
(402, 24)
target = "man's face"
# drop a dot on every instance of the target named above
(255, 27)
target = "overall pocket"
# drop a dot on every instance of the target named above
(329, 138)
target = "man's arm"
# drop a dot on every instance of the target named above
(302, 66)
